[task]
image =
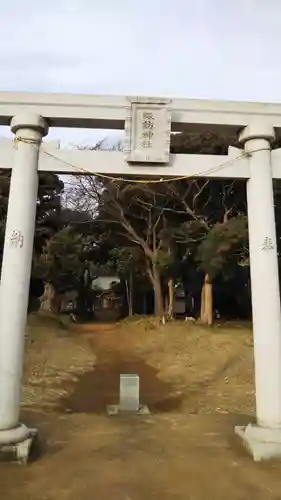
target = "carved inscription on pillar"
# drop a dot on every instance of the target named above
(16, 239)
(147, 129)
(267, 244)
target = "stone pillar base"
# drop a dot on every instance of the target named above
(262, 443)
(16, 444)
(113, 410)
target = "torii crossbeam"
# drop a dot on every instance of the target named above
(148, 123)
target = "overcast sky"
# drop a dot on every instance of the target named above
(222, 49)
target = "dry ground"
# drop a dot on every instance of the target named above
(198, 385)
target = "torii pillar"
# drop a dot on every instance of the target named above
(29, 129)
(264, 438)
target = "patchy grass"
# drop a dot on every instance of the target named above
(210, 369)
(48, 320)
(197, 381)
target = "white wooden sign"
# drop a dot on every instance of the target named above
(147, 131)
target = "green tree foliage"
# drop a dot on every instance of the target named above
(210, 144)
(138, 213)
(220, 243)
(128, 264)
(166, 221)
(62, 260)
(190, 231)
(48, 220)
(126, 259)
(4, 196)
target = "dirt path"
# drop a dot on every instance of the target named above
(198, 385)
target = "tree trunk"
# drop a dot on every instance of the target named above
(129, 294)
(158, 299)
(171, 301)
(202, 308)
(166, 304)
(50, 301)
(144, 304)
(154, 276)
(206, 313)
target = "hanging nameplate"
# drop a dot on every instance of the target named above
(148, 129)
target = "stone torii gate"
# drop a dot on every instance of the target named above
(148, 123)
